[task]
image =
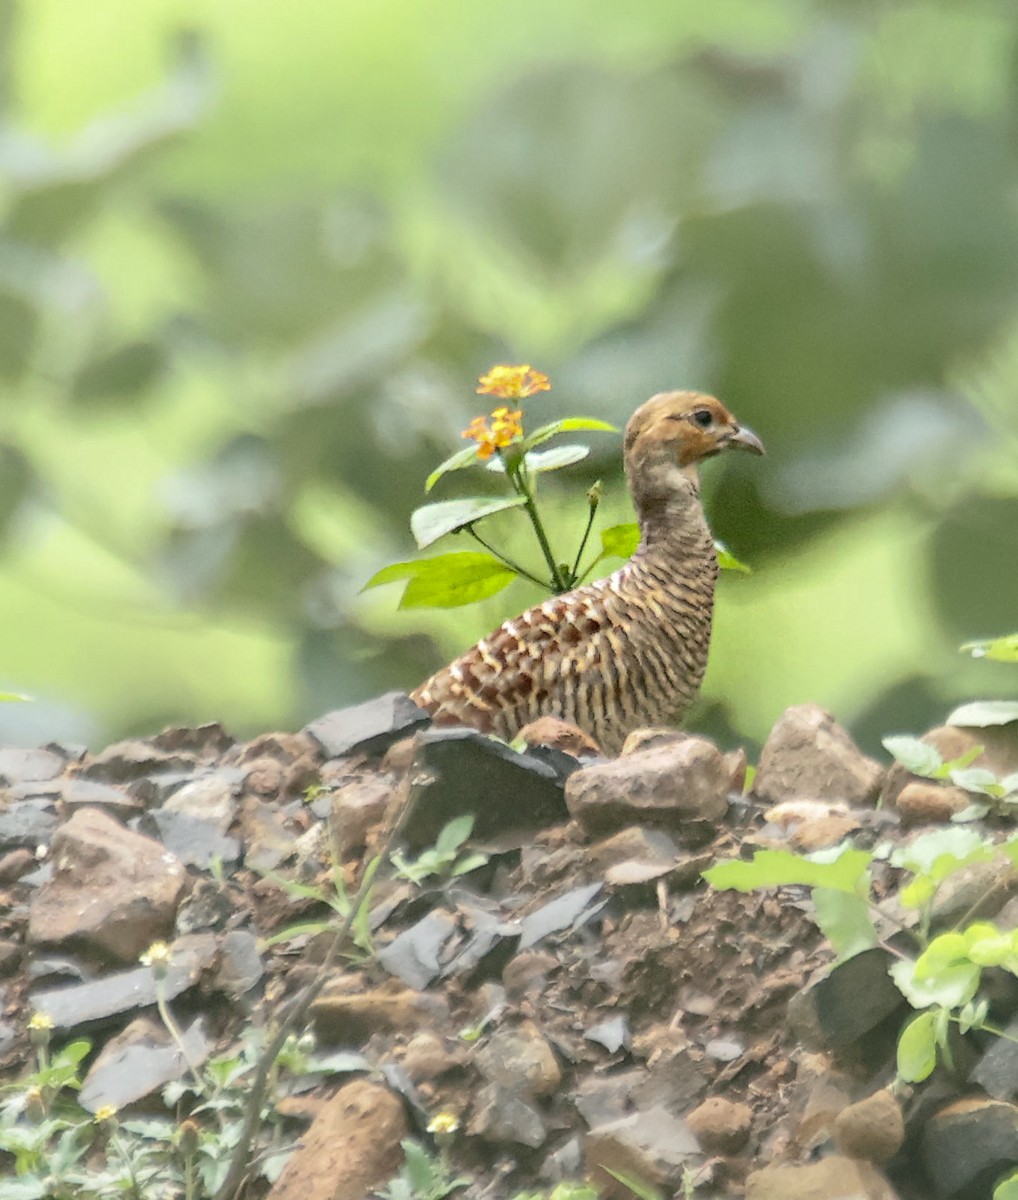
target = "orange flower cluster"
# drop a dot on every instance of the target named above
(505, 427)
(513, 383)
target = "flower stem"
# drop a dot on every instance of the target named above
(522, 486)
(574, 576)
(503, 558)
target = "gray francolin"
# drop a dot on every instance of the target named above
(629, 650)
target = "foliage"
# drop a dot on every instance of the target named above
(921, 758)
(943, 979)
(423, 1176)
(444, 858)
(337, 896)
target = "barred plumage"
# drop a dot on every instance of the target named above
(629, 650)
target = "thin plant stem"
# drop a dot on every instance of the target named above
(518, 476)
(504, 558)
(573, 574)
(174, 1031)
(239, 1164)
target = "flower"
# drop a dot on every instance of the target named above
(505, 427)
(444, 1122)
(107, 1112)
(158, 956)
(513, 383)
(40, 1020)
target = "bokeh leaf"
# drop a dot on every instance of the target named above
(433, 521)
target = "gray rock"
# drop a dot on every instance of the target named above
(413, 955)
(76, 793)
(846, 1003)
(139, 1061)
(131, 759)
(368, 728)
(27, 824)
(969, 1145)
(212, 797)
(997, 1071)
(457, 771)
(240, 964)
(503, 1116)
(29, 766)
(652, 1145)
(519, 1060)
(195, 842)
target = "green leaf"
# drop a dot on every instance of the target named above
(778, 868)
(917, 756)
(983, 713)
(620, 541)
(454, 833)
(950, 987)
(1002, 649)
(567, 425)
(935, 855)
(917, 1048)
(845, 920)
(451, 580)
(639, 1187)
(432, 521)
(727, 560)
(979, 780)
(455, 462)
(545, 460)
(12, 697)
(1007, 1189)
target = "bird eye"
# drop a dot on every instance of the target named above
(703, 417)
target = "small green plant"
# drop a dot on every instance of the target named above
(337, 897)
(423, 1176)
(562, 1191)
(444, 858)
(502, 446)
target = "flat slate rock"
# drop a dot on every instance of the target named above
(462, 771)
(368, 728)
(30, 766)
(28, 824)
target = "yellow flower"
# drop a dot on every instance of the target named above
(40, 1020)
(108, 1112)
(158, 956)
(505, 426)
(444, 1122)
(513, 383)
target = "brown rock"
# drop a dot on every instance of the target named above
(808, 755)
(561, 735)
(828, 831)
(648, 739)
(721, 1126)
(666, 785)
(357, 807)
(111, 889)
(10, 957)
(635, 843)
(16, 863)
(519, 1060)
(528, 971)
(872, 1129)
(427, 1057)
(352, 1019)
(652, 1145)
(923, 802)
(834, 1178)
(264, 777)
(999, 752)
(351, 1148)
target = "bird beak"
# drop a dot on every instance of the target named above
(745, 439)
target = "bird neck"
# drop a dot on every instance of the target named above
(670, 515)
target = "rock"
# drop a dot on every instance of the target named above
(358, 807)
(190, 839)
(111, 889)
(721, 1126)
(834, 1178)
(653, 1146)
(240, 964)
(923, 802)
(427, 1057)
(828, 831)
(414, 955)
(969, 1145)
(808, 755)
(211, 797)
(207, 907)
(560, 735)
(997, 1071)
(999, 753)
(267, 841)
(821, 1094)
(637, 843)
(28, 824)
(10, 957)
(210, 740)
(29, 766)
(502, 1115)
(76, 793)
(847, 1002)
(14, 864)
(131, 759)
(528, 972)
(977, 891)
(519, 1060)
(576, 906)
(99, 1000)
(352, 1147)
(369, 728)
(667, 785)
(872, 1129)
(350, 1019)
(457, 771)
(140, 1060)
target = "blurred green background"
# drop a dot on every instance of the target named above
(252, 257)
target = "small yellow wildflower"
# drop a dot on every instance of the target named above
(40, 1020)
(513, 383)
(444, 1122)
(158, 956)
(505, 426)
(107, 1112)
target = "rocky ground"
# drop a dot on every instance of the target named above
(560, 998)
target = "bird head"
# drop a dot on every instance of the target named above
(669, 435)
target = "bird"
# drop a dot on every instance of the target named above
(630, 650)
